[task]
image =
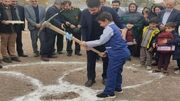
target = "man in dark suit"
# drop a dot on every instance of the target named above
(50, 35)
(19, 28)
(91, 30)
(170, 14)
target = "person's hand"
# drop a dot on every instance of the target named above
(103, 54)
(83, 43)
(134, 41)
(124, 31)
(67, 23)
(84, 46)
(154, 45)
(38, 26)
(72, 26)
(78, 26)
(164, 41)
(62, 26)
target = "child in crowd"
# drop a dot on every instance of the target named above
(129, 37)
(164, 48)
(117, 51)
(149, 34)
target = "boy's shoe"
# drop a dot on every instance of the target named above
(177, 72)
(89, 83)
(15, 59)
(7, 60)
(102, 95)
(120, 91)
(148, 67)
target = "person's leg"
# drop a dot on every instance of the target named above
(119, 78)
(167, 58)
(160, 61)
(148, 58)
(4, 44)
(91, 63)
(11, 47)
(19, 44)
(114, 68)
(69, 47)
(34, 39)
(11, 44)
(142, 56)
(178, 63)
(77, 46)
(48, 46)
(60, 42)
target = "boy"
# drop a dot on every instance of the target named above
(149, 33)
(164, 48)
(116, 50)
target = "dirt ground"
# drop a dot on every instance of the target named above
(63, 79)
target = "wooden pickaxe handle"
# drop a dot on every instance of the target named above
(56, 29)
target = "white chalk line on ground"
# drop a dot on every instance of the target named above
(64, 86)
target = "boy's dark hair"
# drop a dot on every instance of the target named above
(116, 1)
(93, 3)
(67, 2)
(105, 16)
(153, 20)
(170, 24)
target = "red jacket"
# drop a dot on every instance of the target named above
(164, 36)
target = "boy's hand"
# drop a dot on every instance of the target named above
(103, 54)
(154, 45)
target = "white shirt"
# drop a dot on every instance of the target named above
(166, 16)
(105, 37)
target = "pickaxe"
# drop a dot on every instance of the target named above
(47, 24)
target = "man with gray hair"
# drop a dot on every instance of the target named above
(170, 14)
(35, 15)
(48, 49)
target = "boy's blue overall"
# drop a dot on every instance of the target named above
(118, 53)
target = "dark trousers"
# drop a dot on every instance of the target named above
(164, 60)
(77, 46)
(178, 63)
(19, 44)
(60, 42)
(114, 75)
(48, 45)
(132, 49)
(91, 64)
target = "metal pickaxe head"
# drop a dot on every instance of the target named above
(45, 23)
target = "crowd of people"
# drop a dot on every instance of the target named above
(149, 35)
